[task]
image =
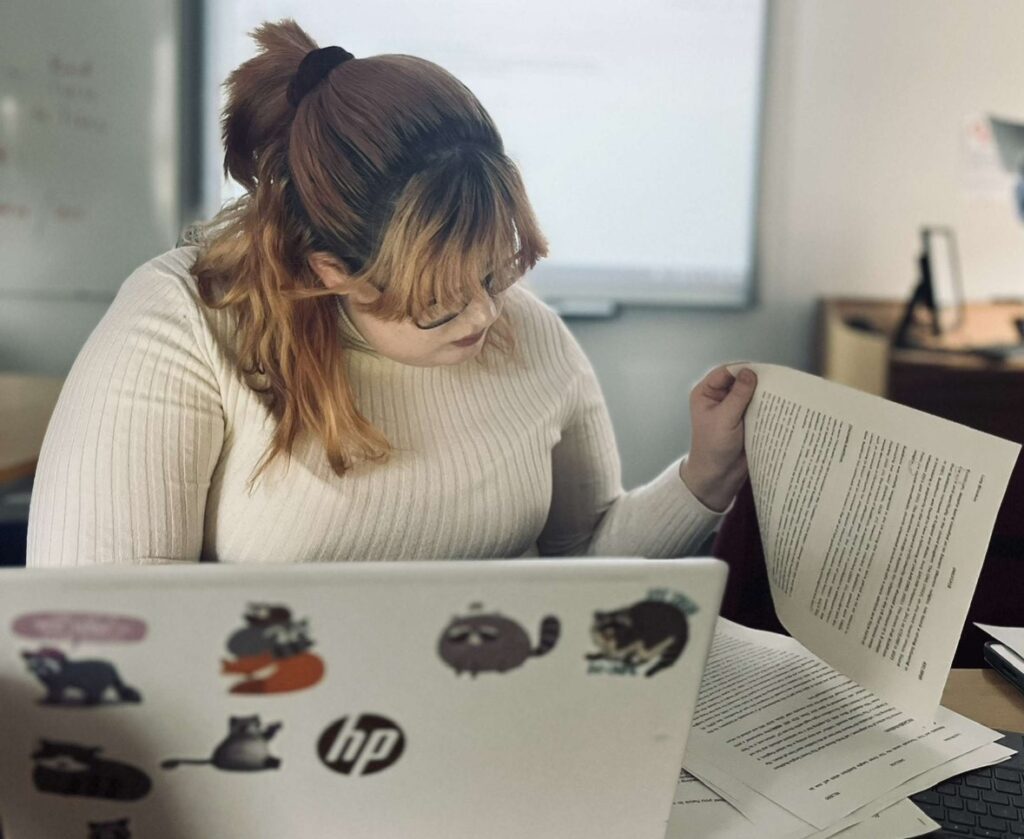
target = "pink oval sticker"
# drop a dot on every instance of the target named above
(79, 626)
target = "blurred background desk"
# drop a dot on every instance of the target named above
(26, 403)
(854, 347)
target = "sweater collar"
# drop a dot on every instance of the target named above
(353, 337)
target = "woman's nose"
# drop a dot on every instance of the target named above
(481, 312)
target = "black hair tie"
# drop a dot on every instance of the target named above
(312, 69)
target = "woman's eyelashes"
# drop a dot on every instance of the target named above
(438, 323)
(488, 284)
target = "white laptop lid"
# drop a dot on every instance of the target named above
(441, 699)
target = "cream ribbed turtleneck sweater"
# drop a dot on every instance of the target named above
(154, 437)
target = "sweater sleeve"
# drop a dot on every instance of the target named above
(127, 458)
(590, 513)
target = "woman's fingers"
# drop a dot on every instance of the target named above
(719, 379)
(734, 404)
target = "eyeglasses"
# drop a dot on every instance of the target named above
(434, 320)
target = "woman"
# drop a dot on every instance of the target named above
(340, 365)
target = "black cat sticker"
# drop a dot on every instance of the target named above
(651, 633)
(271, 652)
(110, 830)
(71, 769)
(491, 643)
(82, 682)
(245, 749)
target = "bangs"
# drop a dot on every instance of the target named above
(461, 222)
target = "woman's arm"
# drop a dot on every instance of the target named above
(590, 514)
(127, 458)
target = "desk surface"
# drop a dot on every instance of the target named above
(984, 324)
(26, 403)
(985, 696)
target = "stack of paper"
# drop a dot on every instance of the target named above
(875, 519)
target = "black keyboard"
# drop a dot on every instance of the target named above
(987, 803)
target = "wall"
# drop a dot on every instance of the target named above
(862, 135)
(863, 144)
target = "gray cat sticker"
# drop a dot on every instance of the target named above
(245, 749)
(488, 642)
(84, 682)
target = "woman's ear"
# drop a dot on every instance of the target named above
(335, 276)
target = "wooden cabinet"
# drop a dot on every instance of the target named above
(26, 403)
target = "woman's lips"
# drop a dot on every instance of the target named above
(468, 342)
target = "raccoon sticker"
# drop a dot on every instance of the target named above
(646, 637)
(73, 769)
(272, 652)
(75, 680)
(79, 682)
(487, 642)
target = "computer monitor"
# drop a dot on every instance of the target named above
(939, 286)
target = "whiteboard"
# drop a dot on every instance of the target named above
(636, 125)
(90, 142)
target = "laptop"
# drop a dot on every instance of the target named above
(500, 699)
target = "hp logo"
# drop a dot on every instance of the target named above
(360, 745)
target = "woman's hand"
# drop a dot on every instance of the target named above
(716, 467)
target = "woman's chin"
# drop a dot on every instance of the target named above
(462, 354)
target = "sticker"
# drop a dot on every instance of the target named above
(361, 745)
(71, 769)
(245, 749)
(491, 643)
(110, 830)
(652, 632)
(79, 626)
(272, 652)
(84, 682)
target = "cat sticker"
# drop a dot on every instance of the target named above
(110, 830)
(271, 652)
(71, 769)
(649, 634)
(81, 682)
(245, 749)
(491, 643)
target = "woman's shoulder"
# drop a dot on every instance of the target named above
(163, 289)
(164, 281)
(158, 306)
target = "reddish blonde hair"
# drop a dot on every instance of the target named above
(392, 166)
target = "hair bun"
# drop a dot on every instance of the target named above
(312, 69)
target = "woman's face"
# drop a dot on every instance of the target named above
(434, 340)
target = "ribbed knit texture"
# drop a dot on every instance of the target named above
(154, 436)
